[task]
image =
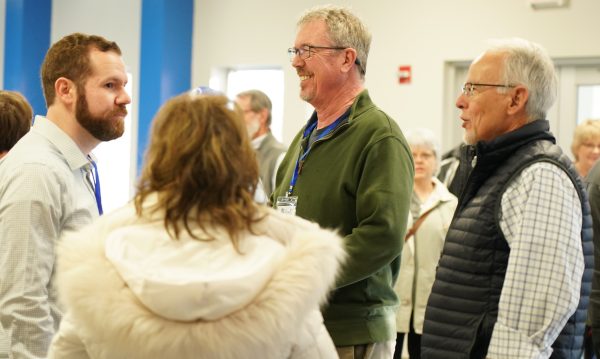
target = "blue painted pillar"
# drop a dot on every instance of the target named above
(166, 59)
(27, 38)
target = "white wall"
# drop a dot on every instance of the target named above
(118, 21)
(422, 33)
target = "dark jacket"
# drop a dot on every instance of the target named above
(463, 307)
(593, 187)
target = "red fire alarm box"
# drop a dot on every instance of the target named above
(404, 74)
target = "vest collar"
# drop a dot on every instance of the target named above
(502, 146)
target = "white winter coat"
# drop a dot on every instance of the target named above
(132, 292)
(420, 256)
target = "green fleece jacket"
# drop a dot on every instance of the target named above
(357, 179)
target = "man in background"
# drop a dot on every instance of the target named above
(15, 119)
(257, 114)
(350, 168)
(48, 186)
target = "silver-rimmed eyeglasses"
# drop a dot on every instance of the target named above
(469, 88)
(306, 51)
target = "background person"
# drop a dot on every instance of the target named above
(15, 119)
(455, 168)
(510, 282)
(257, 114)
(350, 169)
(593, 187)
(194, 268)
(586, 146)
(431, 209)
(586, 151)
(46, 185)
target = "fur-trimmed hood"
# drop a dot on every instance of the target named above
(131, 293)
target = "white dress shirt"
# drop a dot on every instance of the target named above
(43, 192)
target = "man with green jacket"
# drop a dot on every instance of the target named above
(349, 168)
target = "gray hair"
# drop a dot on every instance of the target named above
(528, 64)
(258, 101)
(345, 30)
(424, 137)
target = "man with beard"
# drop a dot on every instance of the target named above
(257, 115)
(48, 184)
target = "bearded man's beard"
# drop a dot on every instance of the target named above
(104, 127)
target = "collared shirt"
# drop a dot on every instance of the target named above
(541, 220)
(43, 192)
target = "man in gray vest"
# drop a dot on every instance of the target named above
(515, 273)
(257, 114)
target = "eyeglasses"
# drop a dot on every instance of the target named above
(469, 88)
(591, 146)
(306, 51)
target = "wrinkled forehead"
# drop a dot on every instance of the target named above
(487, 67)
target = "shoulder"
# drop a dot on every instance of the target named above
(34, 153)
(593, 176)
(442, 192)
(540, 174)
(33, 181)
(542, 187)
(272, 142)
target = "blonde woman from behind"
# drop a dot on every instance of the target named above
(194, 268)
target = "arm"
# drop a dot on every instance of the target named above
(66, 343)
(594, 310)
(382, 205)
(541, 220)
(29, 225)
(274, 176)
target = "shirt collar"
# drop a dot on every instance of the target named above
(65, 144)
(258, 140)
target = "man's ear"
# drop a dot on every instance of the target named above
(65, 91)
(518, 100)
(349, 59)
(264, 114)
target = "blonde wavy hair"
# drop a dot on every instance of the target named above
(587, 131)
(200, 164)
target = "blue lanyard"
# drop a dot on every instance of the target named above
(307, 131)
(97, 187)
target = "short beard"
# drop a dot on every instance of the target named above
(103, 128)
(469, 138)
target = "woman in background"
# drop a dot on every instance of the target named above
(194, 268)
(586, 146)
(432, 207)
